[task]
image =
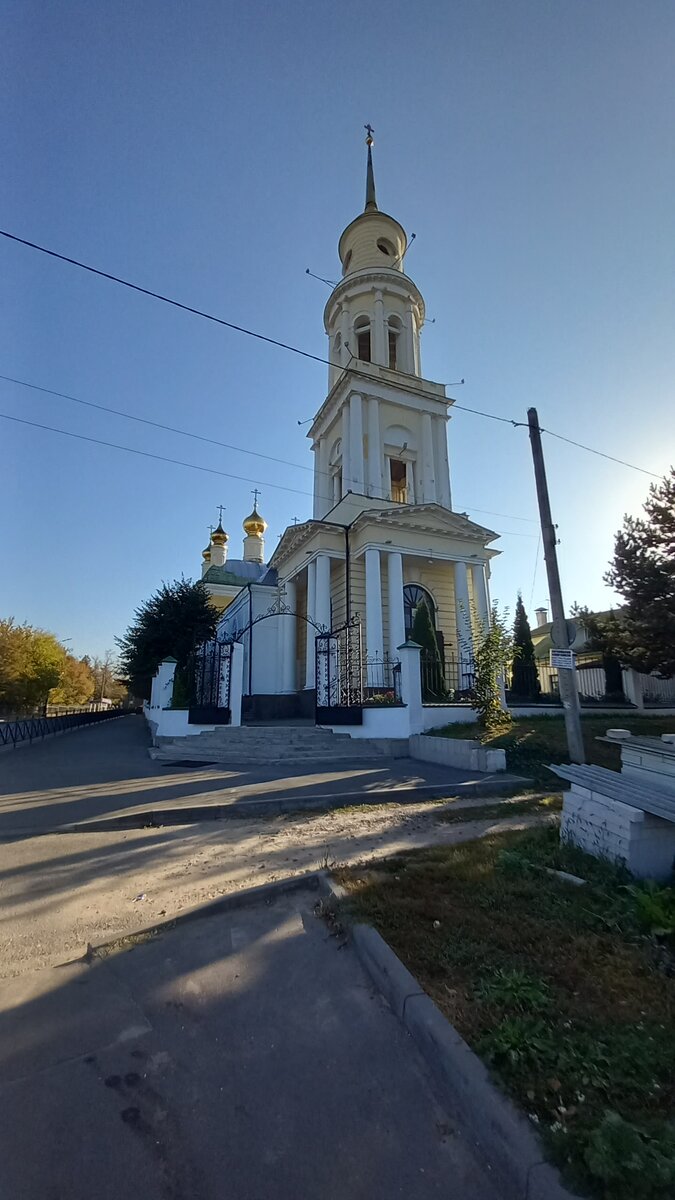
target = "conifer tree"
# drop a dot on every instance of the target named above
(172, 623)
(423, 632)
(524, 675)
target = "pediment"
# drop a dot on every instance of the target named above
(427, 518)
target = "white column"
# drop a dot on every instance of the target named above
(322, 596)
(323, 484)
(411, 361)
(356, 441)
(374, 641)
(481, 596)
(316, 448)
(396, 613)
(440, 439)
(428, 480)
(347, 484)
(288, 631)
(311, 611)
(380, 349)
(345, 332)
(375, 485)
(463, 616)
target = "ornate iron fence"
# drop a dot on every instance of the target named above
(339, 676)
(209, 674)
(28, 729)
(447, 680)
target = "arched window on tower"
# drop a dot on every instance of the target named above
(362, 335)
(413, 595)
(337, 350)
(393, 343)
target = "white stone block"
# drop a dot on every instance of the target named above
(608, 829)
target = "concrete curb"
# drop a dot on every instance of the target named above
(264, 893)
(504, 1136)
(241, 810)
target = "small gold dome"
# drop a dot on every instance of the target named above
(255, 525)
(206, 554)
(219, 536)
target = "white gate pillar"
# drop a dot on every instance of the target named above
(236, 682)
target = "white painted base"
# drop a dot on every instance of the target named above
(173, 722)
(437, 715)
(463, 753)
(608, 829)
(393, 722)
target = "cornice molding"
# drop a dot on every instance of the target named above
(384, 279)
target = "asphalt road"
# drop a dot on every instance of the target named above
(245, 1056)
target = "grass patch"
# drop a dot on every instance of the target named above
(533, 742)
(557, 987)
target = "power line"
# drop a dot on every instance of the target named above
(201, 438)
(74, 262)
(177, 462)
(600, 453)
(147, 454)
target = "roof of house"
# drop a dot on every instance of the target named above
(237, 573)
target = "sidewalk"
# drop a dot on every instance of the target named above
(105, 773)
(246, 1055)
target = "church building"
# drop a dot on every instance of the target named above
(383, 534)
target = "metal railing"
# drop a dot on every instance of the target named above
(381, 679)
(27, 729)
(447, 680)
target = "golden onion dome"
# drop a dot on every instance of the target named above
(206, 553)
(255, 525)
(219, 536)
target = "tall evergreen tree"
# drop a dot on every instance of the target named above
(172, 623)
(423, 632)
(524, 674)
(643, 572)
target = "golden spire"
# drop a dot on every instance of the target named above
(219, 536)
(255, 525)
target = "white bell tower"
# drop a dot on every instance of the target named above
(381, 432)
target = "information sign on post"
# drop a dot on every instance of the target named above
(562, 659)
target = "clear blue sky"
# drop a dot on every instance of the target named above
(213, 151)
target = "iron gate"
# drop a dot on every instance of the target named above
(339, 676)
(210, 674)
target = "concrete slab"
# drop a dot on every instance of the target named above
(272, 1069)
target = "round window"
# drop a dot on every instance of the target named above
(385, 247)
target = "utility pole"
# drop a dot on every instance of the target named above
(567, 677)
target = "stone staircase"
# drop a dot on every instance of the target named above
(264, 744)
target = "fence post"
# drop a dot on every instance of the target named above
(411, 684)
(161, 694)
(236, 682)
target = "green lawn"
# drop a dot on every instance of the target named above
(532, 742)
(561, 989)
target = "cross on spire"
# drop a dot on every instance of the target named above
(255, 493)
(370, 131)
(221, 510)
